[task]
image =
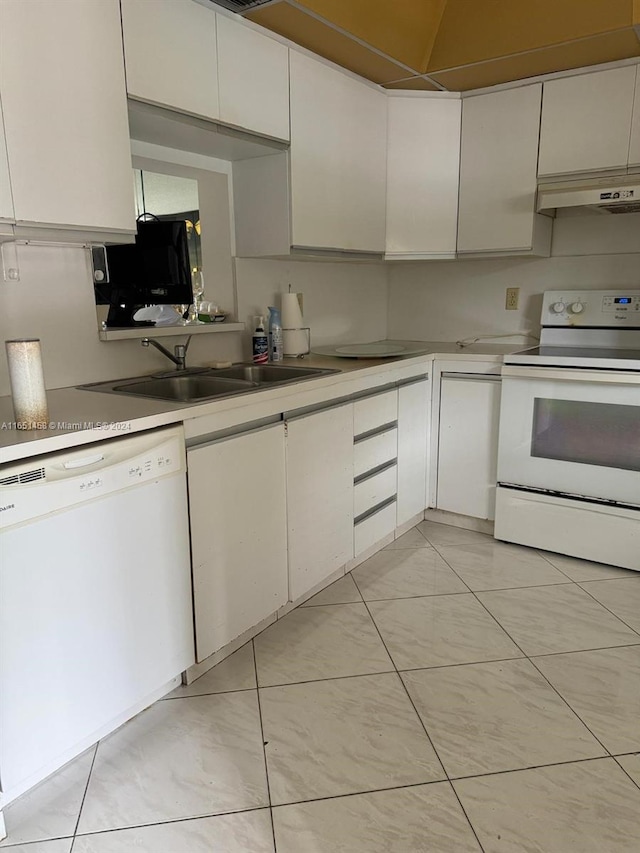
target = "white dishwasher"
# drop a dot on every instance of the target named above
(95, 596)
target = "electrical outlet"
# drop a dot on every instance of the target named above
(511, 302)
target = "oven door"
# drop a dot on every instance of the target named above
(572, 431)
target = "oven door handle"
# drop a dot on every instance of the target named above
(613, 377)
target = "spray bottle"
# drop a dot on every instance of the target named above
(276, 349)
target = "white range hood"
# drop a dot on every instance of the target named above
(614, 194)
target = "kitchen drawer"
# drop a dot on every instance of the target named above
(375, 451)
(373, 412)
(374, 528)
(375, 490)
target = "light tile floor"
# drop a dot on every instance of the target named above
(452, 694)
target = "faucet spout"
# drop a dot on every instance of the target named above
(179, 355)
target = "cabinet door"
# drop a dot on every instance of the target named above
(6, 200)
(468, 445)
(65, 113)
(237, 508)
(586, 122)
(319, 496)
(253, 74)
(413, 427)
(423, 167)
(634, 145)
(338, 159)
(170, 55)
(498, 170)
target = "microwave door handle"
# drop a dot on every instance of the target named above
(611, 377)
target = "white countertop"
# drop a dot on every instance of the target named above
(79, 417)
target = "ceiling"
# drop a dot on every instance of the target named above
(454, 45)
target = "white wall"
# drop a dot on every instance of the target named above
(342, 302)
(452, 300)
(54, 301)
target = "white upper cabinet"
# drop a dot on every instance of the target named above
(634, 145)
(6, 200)
(498, 175)
(586, 122)
(170, 55)
(253, 75)
(65, 114)
(423, 165)
(338, 159)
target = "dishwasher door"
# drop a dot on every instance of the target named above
(95, 605)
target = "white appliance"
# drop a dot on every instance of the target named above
(569, 445)
(613, 194)
(95, 611)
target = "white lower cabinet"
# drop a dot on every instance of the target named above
(468, 444)
(238, 515)
(414, 402)
(319, 496)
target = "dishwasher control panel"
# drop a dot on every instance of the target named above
(69, 478)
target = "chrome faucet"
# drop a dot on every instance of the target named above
(179, 355)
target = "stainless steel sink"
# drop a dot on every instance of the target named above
(184, 389)
(269, 373)
(197, 385)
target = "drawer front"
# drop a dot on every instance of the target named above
(374, 412)
(374, 528)
(374, 490)
(375, 451)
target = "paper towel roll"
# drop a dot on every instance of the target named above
(291, 313)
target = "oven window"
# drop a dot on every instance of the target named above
(592, 433)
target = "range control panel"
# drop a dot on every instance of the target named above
(592, 308)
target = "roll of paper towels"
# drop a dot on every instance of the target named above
(294, 336)
(291, 313)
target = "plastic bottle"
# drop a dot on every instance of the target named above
(276, 349)
(260, 343)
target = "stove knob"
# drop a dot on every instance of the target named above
(557, 307)
(576, 308)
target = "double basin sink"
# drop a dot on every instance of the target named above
(196, 385)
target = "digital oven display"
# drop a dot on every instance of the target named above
(622, 300)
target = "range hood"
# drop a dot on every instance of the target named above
(613, 194)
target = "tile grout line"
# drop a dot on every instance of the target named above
(264, 746)
(84, 796)
(624, 770)
(421, 721)
(615, 615)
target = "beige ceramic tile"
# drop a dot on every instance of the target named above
(587, 807)
(412, 539)
(631, 764)
(351, 735)
(495, 565)
(490, 717)
(556, 619)
(51, 809)
(60, 845)
(585, 570)
(410, 820)
(440, 630)
(184, 758)
(247, 832)
(342, 591)
(603, 688)
(445, 534)
(406, 573)
(237, 672)
(320, 642)
(622, 597)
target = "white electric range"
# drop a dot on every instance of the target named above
(569, 446)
